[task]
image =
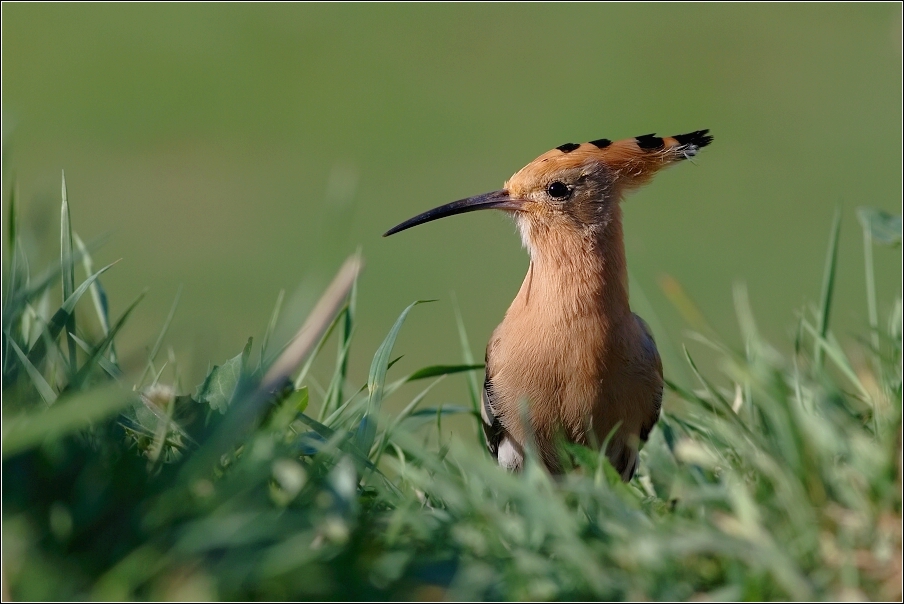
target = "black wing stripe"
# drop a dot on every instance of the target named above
(493, 432)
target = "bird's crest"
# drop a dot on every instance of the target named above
(631, 161)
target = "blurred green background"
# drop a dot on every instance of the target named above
(243, 149)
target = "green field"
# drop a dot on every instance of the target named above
(241, 150)
(233, 151)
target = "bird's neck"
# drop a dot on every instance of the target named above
(576, 274)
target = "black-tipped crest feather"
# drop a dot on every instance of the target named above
(699, 138)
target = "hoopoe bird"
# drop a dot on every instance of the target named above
(570, 360)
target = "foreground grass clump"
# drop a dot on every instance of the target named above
(782, 483)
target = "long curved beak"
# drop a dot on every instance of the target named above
(499, 200)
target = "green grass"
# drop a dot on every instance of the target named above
(264, 483)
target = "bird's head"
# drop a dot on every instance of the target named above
(575, 187)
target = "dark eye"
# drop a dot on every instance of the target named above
(558, 190)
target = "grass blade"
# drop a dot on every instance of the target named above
(37, 379)
(12, 284)
(468, 358)
(423, 416)
(112, 370)
(98, 351)
(347, 322)
(11, 223)
(841, 361)
(67, 262)
(336, 438)
(429, 372)
(98, 294)
(438, 370)
(871, 306)
(878, 228)
(271, 326)
(403, 415)
(364, 439)
(46, 278)
(828, 285)
(310, 361)
(724, 405)
(346, 408)
(159, 341)
(474, 387)
(330, 400)
(59, 319)
(315, 325)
